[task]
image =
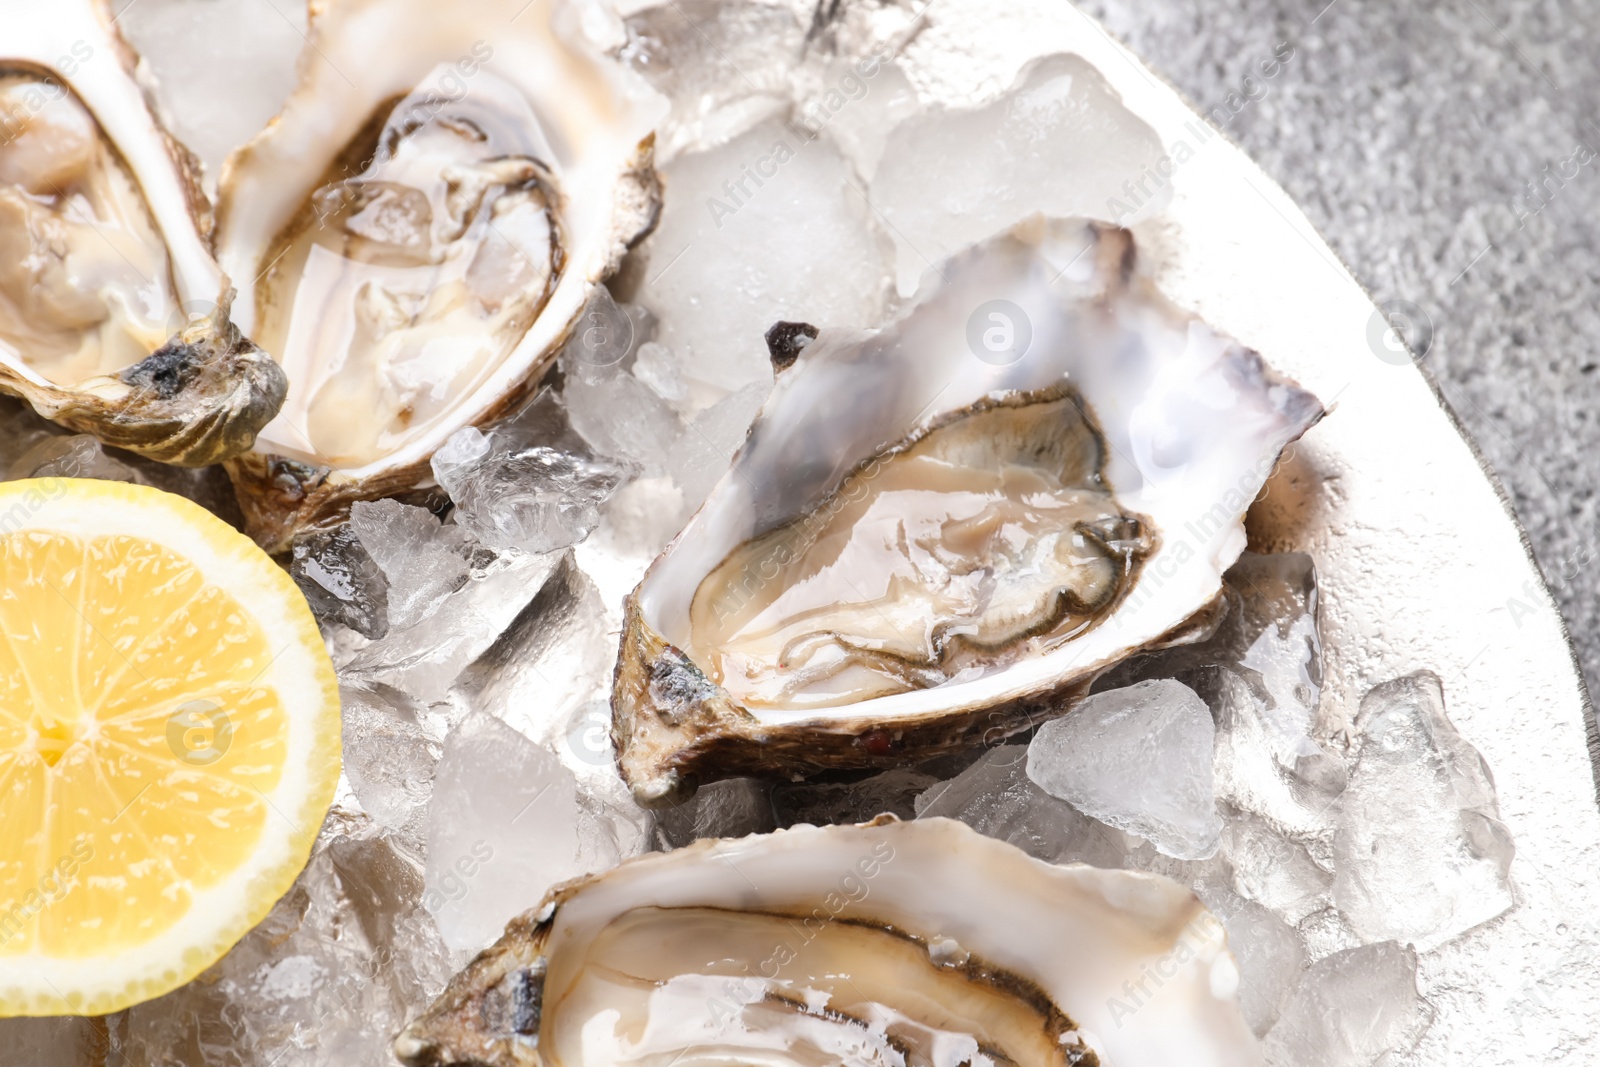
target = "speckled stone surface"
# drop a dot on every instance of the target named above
(1416, 136)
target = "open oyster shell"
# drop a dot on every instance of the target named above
(417, 232)
(113, 314)
(921, 943)
(939, 532)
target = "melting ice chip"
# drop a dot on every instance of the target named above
(502, 829)
(1058, 141)
(1420, 852)
(532, 498)
(1355, 1008)
(1139, 759)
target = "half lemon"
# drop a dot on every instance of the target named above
(169, 742)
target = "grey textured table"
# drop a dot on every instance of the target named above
(1447, 151)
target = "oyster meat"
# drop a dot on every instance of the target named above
(418, 231)
(921, 943)
(940, 531)
(984, 531)
(113, 314)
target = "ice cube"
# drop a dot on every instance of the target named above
(1271, 958)
(1273, 869)
(60, 1042)
(635, 525)
(733, 807)
(542, 420)
(444, 610)
(1139, 759)
(422, 562)
(1356, 1008)
(338, 965)
(1268, 636)
(620, 416)
(549, 677)
(1294, 790)
(75, 456)
(1261, 675)
(859, 100)
(1420, 853)
(826, 803)
(453, 464)
(1270, 639)
(1211, 878)
(391, 747)
(425, 658)
(722, 64)
(771, 225)
(1326, 932)
(549, 666)
(341, 581)
(502, 829)
(535, 499)
(996, 797)
(705, 449)
(604, 340)
(656, 367)
(223, 67)
(1059, 141)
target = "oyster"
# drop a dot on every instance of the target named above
(113, 313)
(920, 943)
(418, 231)
(938, 533)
